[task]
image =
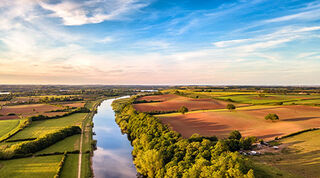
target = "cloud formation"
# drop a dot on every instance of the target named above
(147, 42)
(94, 11)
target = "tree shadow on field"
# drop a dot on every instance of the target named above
(300, 119)
(270, 135)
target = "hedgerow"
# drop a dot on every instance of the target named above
(42, 117)
(60, 167)
(27, 147)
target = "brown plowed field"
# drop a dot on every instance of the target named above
(172, 102)
(77, 105)
(8, 117)
(28, 109)
(249, 122)
(50, 114)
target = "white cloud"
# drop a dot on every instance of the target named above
(96, 11)
(106, 39)
(308, 15)
(266, 41)
(222, 44)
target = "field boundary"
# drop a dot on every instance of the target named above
(299, 132)
(22, 124)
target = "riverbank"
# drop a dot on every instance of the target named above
(86, 147)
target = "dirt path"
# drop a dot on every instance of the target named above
(80, 154)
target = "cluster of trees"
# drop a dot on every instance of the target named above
(28, 147)
(145, 101)
(6, 97)
(160, 152)
(60, 99)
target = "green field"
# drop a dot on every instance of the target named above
(7, 125)
(301, 157)
(39, 128)
(70, 167)
(85, 166)
(43, 166)
(266, 99)
(67, 144)
(251, 97)
(306, 102)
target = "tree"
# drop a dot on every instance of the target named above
(148, 162)
(183, 109)
(235, 135)
(246, 143)
(231, 107)
(272, 117)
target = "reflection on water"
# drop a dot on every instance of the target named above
(113, 158)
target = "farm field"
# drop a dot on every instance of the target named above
(68, 144)
(39, 128)
(267, 99)
(75, 104)
(70, 167)
(305, 102)
(251, 97)
(28, 109)
(248, 120)
(42, 166)
(7, 125)
(301, 155)
(9, 117)
(171, 102)
(26, 99)
(85, 166)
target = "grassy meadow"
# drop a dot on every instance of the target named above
(39, 128)
(70, 167)
(301, 157)
(31, 167)
(7, 125)
(68, 144)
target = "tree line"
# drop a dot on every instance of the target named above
(161, 152)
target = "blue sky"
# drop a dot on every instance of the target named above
(257, 42)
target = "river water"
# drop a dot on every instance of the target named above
(113, 158)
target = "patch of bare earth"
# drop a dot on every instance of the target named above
(29, 109)
(171, 102)
(77, 105)
(8, 117)
(248, 122)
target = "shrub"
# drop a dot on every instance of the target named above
(235, 135)
(272, 117)
(246, 143)
(183, 109)
(231, 107)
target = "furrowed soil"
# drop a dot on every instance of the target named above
(171, 102)
(250, 122)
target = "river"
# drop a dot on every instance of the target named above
(113, 158)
